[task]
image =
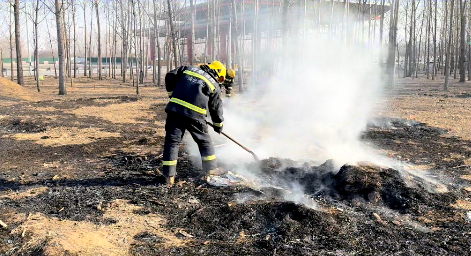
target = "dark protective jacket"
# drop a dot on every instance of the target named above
(194, 91)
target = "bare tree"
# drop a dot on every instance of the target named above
(19, 63)
(240, 66)
(59, 10)
(115, 38)
(1, 61)
(11, 44)
(448, 48)
(124, 37)
(85, 36)
(135, 45)
(462, 41)
(434, 73)
(99, 40)
(35, 19)
(172, 33)
(74, 9)
(156, 38)
(192, 45)
(429, 20)
(392, 41)
(90, 44)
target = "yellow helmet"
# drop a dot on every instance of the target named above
(218, 67)
(231, 73)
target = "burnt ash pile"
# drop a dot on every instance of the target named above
(365, 182)
(361, 210)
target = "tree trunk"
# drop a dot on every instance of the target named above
(417, 57)
(90, 44)
(99, 41)
(124, 49)
(141, 42)
(115, 39)
(463, 41)
(192, 43)
(392, 42)
(11, 46)
(434, 73)
(448, 49)
(108, 39)
(36, 55)
(66, 45)
(381, 27)
(406, 54)
(60, 46)
(74, 9)
(1, 62)
(156, 33)
(135, 44)
(19, 60)
(240, 66)
(413, 49)
(456, 43)
(255, 43)
(429, 19)
(172, 33)
(469, 61)
(85, 34)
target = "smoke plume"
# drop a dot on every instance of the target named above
(313, 108)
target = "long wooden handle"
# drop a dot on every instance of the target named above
(236, 142)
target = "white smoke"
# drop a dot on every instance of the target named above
(314, 107)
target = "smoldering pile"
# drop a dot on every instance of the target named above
(364, 183)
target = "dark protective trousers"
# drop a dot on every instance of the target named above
(175, 127)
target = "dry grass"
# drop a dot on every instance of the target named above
(86, 238)
(120, 113)
(18, 195)
(65, 136)
(425, 101)
(462, 204)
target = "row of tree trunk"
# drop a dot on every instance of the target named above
(435, 50)
(132, 27)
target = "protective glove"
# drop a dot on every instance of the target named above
(218, 128)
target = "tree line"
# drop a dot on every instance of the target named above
(428, 38)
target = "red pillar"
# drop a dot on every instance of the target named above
(152, 48)
(188, 48)
(223, 46)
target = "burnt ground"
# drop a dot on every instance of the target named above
(88, 184)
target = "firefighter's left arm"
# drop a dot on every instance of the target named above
(171, 79)
(215, 107)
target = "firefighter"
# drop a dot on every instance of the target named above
(193, 92)
(228, 81)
